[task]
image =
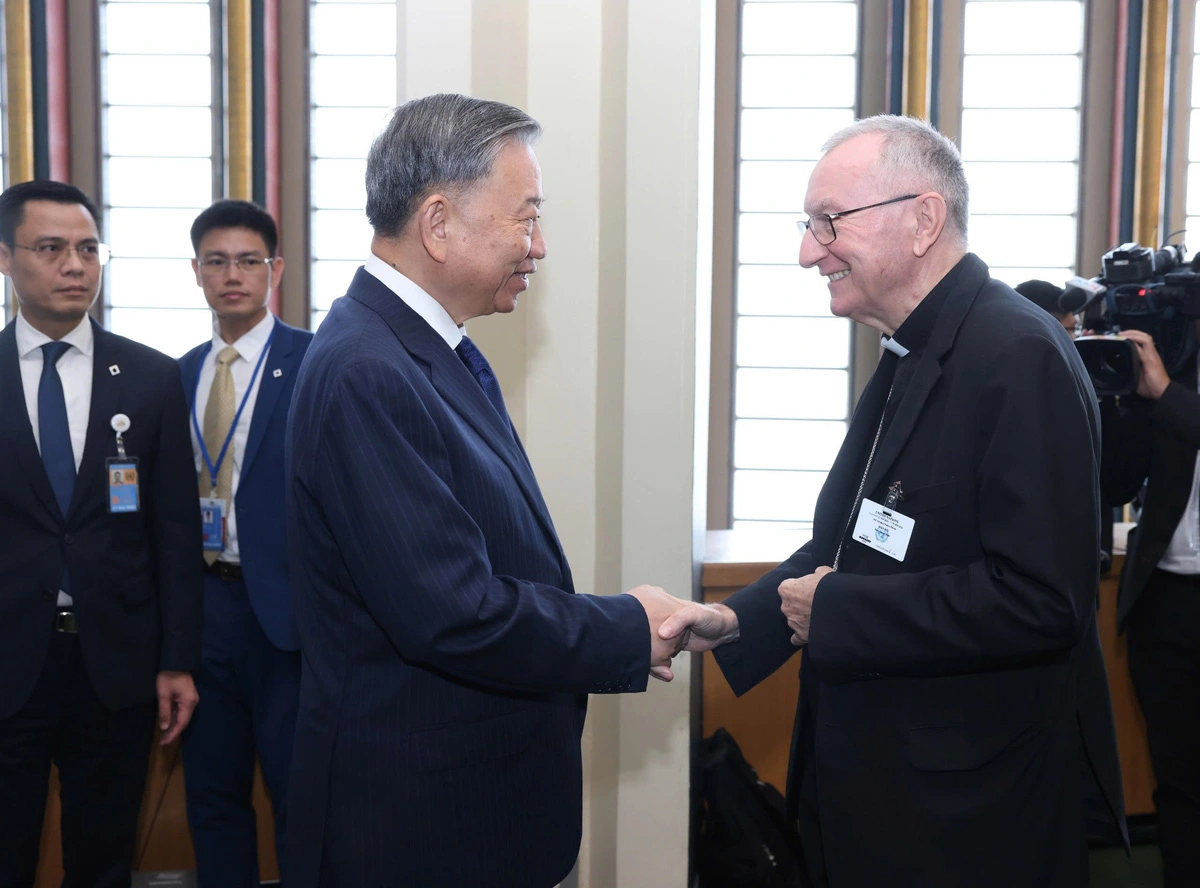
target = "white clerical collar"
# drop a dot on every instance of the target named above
(430, 310)
(893, 346)
(30, 338)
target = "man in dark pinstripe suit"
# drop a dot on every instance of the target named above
(446, 658)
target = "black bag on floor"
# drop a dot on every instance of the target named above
(745, 838)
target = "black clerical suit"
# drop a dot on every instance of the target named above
(79, 690)
(1155, 443)
(954, 719)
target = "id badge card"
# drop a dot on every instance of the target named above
(212, 523)
(884, 530)
(123, 484)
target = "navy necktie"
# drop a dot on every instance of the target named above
(482, 371)
(54, 431)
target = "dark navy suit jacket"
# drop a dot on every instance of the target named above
(262, 537)
(445, 656)
(135, 577)
(954, 714)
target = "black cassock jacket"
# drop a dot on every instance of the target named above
(954, 720)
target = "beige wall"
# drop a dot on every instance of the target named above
(599, 364)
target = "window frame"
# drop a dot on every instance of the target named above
(878, 69)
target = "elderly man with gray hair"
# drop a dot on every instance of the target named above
(446, 655)
(954, 726)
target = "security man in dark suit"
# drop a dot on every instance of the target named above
(239, 386)
(1152, 440)
(954, 725)
(100, 571)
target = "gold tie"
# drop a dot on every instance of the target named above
(218, 417)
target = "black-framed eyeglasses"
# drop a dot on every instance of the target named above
(821, 224)
(51, 252)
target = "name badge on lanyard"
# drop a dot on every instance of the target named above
(122, 472)
(122, 485)
(214, 510)
(212, 523)
(882, 528)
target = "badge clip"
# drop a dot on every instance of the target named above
(120, 424)
(894, 495)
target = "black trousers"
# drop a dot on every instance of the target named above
(102, 756)
(1164, 662)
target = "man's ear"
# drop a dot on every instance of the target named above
(930, 220)
(432, 219)
(276, 271)
(5, 258)
(196, 271)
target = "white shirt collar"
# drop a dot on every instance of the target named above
(893, 346)
(417, 299)
(250, 343)
(29, 338)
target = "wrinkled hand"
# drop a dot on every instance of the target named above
(796, 598)
(701, 627)
(177, 699)
(1153, 380)
(659, 606)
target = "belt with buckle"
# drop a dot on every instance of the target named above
(226, 570)
(64, 621)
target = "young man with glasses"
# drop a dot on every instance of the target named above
(955, 726)
(239, 387)
(100, 581)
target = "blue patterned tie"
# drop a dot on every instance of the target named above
(482, 371)
(54, 432)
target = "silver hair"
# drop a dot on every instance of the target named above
(443, 141)
(915, 157)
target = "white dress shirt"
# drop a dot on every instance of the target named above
(249, 348)
(75, 371)
(1183, 553)
(416, 299)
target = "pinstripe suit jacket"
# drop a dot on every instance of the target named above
(446, 658)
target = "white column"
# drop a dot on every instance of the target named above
(435, 47)
(668, 242)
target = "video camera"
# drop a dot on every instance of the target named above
(1140, 289)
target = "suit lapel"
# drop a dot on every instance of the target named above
(454, 382)
(14, 422)
(189, 369)
(107, 386)
(925, 377)
(841, 486)
(278, 367)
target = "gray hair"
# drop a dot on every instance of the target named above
(444, 141)
(915, 157)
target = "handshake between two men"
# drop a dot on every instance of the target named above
(677, 625)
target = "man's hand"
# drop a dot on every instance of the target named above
(1153, 380)
(796, 598)
(177, 699)
(700, 627)
(659, 606)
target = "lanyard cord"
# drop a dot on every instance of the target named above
(215, 468)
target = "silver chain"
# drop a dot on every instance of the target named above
(863, 483)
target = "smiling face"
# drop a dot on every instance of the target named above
(54, 292)
(237, 294)
(495, 238)
(870, 262)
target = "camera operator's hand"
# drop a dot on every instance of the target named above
(1153, 380)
